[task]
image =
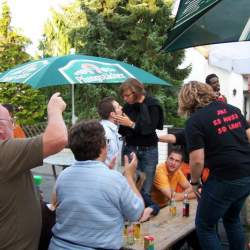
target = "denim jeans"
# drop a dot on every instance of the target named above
(221, 199)
(147, 161)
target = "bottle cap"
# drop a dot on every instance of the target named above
(37, 180)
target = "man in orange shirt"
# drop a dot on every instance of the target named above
(168, 175)
(178, 139)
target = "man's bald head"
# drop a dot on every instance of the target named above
(6, 124)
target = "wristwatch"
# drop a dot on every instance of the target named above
(195, 183)
(133, 125)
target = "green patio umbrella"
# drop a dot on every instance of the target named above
(202, 22)
(76, 69)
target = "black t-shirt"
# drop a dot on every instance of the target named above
(220, 129)
(148, 116)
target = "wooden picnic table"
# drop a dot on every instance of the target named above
(166, 229)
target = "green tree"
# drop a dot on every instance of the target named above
(12, 52)
(58, 37)
(133, 31)
(29, 102)
(12, 44)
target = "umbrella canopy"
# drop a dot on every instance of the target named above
(76, 69)
(231, 56)
(202, 22)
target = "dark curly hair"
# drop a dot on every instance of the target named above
(86, 139)
(209, 77)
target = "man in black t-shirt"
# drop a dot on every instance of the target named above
(218, 133)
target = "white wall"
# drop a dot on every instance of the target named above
(228, 80)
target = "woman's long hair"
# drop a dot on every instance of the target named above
(194, 95)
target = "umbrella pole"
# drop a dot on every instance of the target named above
(73, 104)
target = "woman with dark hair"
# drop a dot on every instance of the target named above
(218, 134)
(142, 116)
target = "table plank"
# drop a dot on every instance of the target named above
(166, 229)
(62, 159)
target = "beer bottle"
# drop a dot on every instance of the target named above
(172, 208)
(185, 206)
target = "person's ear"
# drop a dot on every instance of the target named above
(112, 114)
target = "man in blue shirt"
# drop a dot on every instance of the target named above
(107, 109)
(93, 201)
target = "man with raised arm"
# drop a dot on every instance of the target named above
(20, 213)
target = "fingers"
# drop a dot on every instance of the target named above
(56, 103)
(56, 94)
(133, 158)
(125, 160)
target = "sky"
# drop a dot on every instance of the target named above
(30, 15)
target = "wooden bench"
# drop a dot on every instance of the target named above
(166, 229)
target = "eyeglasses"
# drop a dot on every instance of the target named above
(128, 95)
(12, 121)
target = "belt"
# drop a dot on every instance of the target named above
(142, 148)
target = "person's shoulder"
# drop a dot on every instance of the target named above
(161, 167)
(179, 173)
(161, 164)
(151, 101)
(16, 142)
(232, 107)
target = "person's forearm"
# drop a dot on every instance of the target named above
(55, 137)
(133, 186)
(169, 138)
(196, 170)
(180, 196)
(196, 162)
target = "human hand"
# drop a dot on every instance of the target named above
(197, 191)
(130, 167)
(56, 104)
(111, 164)
(123, 120)
(147, 214)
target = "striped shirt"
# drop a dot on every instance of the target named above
(93, 202)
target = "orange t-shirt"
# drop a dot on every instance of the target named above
(18, 132)
(185, 168)
(164, 180)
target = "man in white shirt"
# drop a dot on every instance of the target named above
(107, 109)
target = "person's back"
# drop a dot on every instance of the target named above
(93, 201)
(227, 137)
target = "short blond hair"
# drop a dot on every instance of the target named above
(194, 95)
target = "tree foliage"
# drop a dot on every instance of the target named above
(132, 31)
(12, 44)
(28, 102)
(12, 52)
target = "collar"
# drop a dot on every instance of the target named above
(90, 164)
(109, 124)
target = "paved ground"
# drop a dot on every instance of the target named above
(49, 182)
